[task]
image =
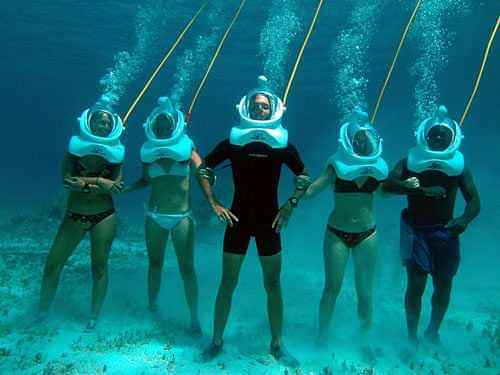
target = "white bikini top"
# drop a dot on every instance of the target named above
(180, 169)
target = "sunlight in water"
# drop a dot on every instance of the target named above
(432, 39)
(151, 20)
(350, 54)
(282, 26)
(194, 60)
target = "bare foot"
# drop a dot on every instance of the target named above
(210, 352)
(284, 357)
(195, 330)
(91, 325)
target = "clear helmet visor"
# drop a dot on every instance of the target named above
(163, 125)
(164, 122)
(101, 123)
(260, 105)
(440, 136)
(363, 141)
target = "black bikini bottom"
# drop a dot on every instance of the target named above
(351, 239)
(92, 219)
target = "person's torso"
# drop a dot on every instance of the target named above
(424, 210)
(256, 170)
(90, 203)
(170, 185)
(353, 210)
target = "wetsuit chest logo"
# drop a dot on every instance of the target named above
(98, 150)
(161, 154)
(436, 165)
(368, 171)
(259, 136)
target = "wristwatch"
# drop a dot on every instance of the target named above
(293, 201)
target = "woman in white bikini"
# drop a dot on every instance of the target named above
(168, 156)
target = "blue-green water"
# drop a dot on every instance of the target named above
(63, 56)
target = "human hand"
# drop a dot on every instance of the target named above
(283, 216)
(74, 183)
(457, 226)
(412, 183)
(224, 214)
(113, 187)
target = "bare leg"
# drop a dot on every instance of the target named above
(440, 302)
(183, 239)
(336, 255)
(365, 256)
(413, 299)
(271, 268)
(156, 240)
(101, 238)
(67, 239)
(231, 266)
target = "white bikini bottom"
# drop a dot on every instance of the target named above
(168, 221)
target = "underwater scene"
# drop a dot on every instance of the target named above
(250, 187)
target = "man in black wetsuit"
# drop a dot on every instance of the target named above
(430, 176)
(257, 149)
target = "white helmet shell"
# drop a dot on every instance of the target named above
(87, 143)
(270, 131)
(178, 146)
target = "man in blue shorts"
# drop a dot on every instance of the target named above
(430, 177)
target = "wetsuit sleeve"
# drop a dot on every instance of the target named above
(220, 153)
(293, 161)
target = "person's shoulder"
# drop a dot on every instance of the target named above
(402, 163)
(225, 142)
(291, 149)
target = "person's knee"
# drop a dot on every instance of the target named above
(365, 297)
(272, 285)
(187, 271)
(332, 290)
(52, 268)
(228, 286)
(442, 293)
(99, 270)
(416, 289)
(156, 263)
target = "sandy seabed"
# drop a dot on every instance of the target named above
(128, 341)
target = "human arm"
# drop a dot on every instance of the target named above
(205, 175)
(140, 183)
(473, 204)
(302, 182)
(398, 185)
(96, 185)
(321, 183)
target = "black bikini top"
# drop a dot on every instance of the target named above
(344, 186)
(106, 171)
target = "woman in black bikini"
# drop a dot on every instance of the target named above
(91, 180)
(355, 173)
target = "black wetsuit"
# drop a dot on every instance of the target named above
(434, 249)
(256, 170)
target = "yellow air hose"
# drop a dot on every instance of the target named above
(301, 51)
(480, 73)
(394, 60)
(212, 62)
(162, 63)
